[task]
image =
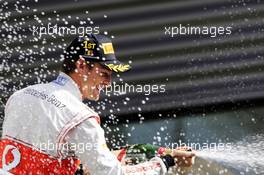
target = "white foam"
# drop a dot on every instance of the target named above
(246, 156)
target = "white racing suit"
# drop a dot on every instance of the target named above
(47, 130)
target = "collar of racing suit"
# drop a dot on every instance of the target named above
(65, 80)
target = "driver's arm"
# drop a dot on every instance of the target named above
(99, 158)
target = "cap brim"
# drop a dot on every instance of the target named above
(116, 66)
(112, 64)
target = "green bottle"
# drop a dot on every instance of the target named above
(140, 153)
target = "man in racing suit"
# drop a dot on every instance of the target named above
(48, 130)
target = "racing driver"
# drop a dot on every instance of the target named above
(45, 124)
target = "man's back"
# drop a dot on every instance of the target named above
(37, 122)
(37, 114)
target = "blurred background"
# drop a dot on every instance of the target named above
(214, 86)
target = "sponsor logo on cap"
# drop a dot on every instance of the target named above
(89, 53)
(108, 48)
